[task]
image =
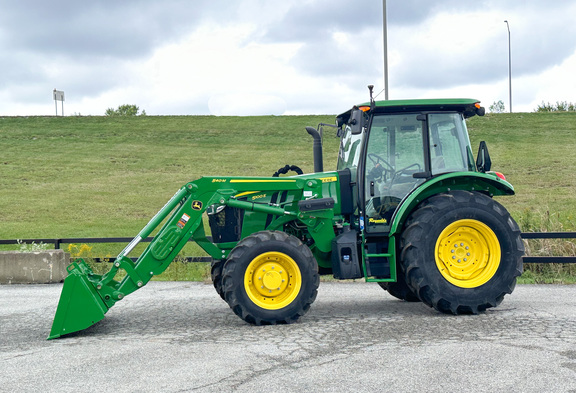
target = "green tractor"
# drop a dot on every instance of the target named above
(408, 207)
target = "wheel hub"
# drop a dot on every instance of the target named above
(272, 280)
(467, 253)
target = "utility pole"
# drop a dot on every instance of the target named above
(509, 66)
(385, 37)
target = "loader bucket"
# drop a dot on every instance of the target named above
(80, 305)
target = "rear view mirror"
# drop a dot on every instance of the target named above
(483, 161)
(356, 121)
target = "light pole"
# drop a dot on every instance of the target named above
(509, 67)
(385, 37)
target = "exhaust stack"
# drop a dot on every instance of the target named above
(317, 149)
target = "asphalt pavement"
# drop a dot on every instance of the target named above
(181, 337)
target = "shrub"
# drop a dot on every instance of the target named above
(125, 110)
(497, 107)
(33, 247)
(560, 106)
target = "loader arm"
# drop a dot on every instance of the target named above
(86, 296)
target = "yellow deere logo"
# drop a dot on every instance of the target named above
(197, 205)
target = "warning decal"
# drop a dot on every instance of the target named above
(183, 220)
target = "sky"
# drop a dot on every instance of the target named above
(279, 57)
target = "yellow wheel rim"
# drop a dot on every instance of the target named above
(272, 280)
(467, 253)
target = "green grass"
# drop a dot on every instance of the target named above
(107, 176)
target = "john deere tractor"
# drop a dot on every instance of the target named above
(408, 207)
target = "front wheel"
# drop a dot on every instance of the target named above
(216, 274)
(462, 252)
(270, 277)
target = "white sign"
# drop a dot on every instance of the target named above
(58, 95)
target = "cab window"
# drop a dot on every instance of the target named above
(349, 153)
(449, 143)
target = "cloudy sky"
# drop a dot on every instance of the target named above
(255, 57)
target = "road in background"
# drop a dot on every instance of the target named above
(180, 336)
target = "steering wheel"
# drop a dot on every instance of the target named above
(400, 172)
(381, 167)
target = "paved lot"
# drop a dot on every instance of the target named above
(180, 337)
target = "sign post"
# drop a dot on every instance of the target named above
(58, 96)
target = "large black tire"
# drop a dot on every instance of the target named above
(400, 288)
(461, 252)
(216, 274)
(270, 277)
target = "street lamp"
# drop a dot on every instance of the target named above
(385, 39)
(509, 66)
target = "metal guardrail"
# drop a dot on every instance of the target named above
(549, 235)
(89, 240)
(71, 240)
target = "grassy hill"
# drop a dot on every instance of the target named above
(106, 176)
(537, 153)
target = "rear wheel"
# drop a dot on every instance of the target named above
(462, 252)
(270, 277)
(400, 288)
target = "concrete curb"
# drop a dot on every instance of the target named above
(42, 267)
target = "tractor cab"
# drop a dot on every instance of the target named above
(394, 146)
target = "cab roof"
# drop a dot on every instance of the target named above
(467, 106)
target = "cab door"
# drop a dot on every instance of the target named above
(395, 152)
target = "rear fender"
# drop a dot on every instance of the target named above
(486, 183)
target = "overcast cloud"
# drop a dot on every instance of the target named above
(279, 57)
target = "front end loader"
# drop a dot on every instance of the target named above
(408, 207)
